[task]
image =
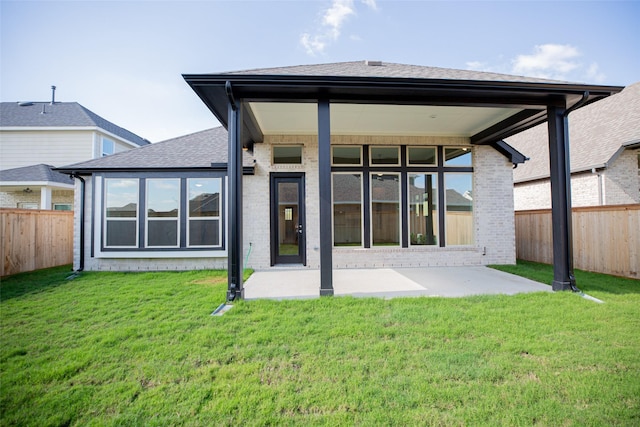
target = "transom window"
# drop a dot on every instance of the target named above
(287, 154)
(422, 198)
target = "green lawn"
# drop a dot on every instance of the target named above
(132, 349)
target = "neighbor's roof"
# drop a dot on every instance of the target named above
(196, 150)
(597, 133)
(60, 114)
(388, 69)
(34, 173)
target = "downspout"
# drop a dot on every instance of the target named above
(565, 115)
(82, 196)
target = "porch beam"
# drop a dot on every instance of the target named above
(324, 178)
(563, 277)
(234, 251)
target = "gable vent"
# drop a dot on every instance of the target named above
(373, 63)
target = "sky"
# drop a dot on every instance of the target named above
(124, 60)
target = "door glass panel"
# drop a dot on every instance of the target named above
(288, 222)
(423, 209)
(347, 209)
(385, 209)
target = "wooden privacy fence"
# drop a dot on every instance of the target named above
(33, 239)
(606, 239)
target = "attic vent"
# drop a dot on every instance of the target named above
(373, 63)
(25, 104)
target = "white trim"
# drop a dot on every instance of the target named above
(333, 226)
(274, 146)
(212, 218)
(457, 147)
(473, 211)
(435, 152)
(384, 165)
(136, 219)
(36, 184)
(175, 219)
(436, 228)
(359, 147)
(371, 176)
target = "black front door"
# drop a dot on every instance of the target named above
(287, 219)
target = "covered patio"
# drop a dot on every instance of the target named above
(362, 101)
(284, 283)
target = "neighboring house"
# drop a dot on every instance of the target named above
(37, 136)
(605, 156)
(347, 165)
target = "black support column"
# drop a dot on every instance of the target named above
(324, 178)
(563, 278)
(234, 260)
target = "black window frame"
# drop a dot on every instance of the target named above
(404, 168)
(99, 219)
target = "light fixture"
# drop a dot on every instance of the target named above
(27, 190)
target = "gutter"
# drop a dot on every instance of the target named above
(82, 196)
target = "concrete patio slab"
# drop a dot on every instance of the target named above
(284, 283)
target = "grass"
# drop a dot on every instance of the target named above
(127, 349)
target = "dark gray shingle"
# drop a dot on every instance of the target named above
(196, 150)
(38, 173)
(60, 114)
(387, 69)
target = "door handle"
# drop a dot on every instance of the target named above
(299, 227)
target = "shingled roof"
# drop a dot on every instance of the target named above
(597, 133)
(34, 173)
(196, 150)
(60, 114)
(388, 69)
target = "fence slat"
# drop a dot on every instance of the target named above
(33, 239)
(606, 239)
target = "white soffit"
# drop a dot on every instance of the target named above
(280, 118)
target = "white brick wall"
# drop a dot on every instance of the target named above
(10, 199)
(621, 180)
(493, 220)
(615, 185)
(493, 216)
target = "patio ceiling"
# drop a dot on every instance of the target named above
(278, 118)
(484, 111)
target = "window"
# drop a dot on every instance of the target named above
(459, 208)
(423, 209)
(385, 209)
(347, 209)
(108, 147)
(345, 155)
(421, 156)
(454, 156)
(204, 221)
(28, 205)
(385, 156)
(163, 211)
(420, 198)
(121, 207)
(160, 214)
(287, 154)
(62, 206)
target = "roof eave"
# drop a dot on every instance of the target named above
(534, 97)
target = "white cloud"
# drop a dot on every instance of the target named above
(336, 15)
(333, 19)
(313, 44)
(548, 61)
(594, 74)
